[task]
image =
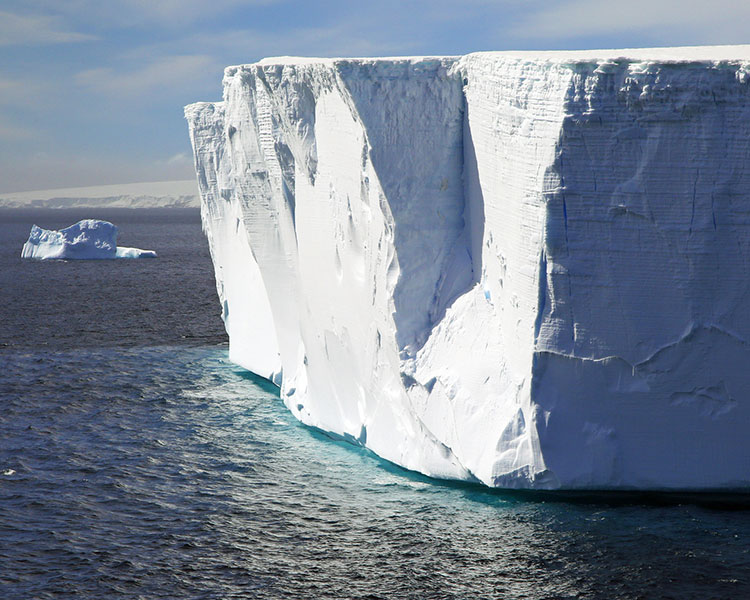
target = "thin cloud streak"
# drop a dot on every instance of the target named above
(180, 158)
(26, 94)
(10, 132)
(11, 89)
(125, 14)
(26, 30)
(239, 46)
(670, 20)
(165, 73)
(49, 172)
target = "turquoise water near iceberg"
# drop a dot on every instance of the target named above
(137, 462)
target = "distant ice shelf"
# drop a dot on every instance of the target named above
(528, 270)
(151, 194)
(89, 239)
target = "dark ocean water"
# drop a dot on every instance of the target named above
(75, 304)
(137, 462)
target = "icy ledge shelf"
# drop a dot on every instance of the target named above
(525, 269)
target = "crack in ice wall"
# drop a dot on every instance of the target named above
(523, 269)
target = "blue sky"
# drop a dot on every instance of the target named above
(91, 91)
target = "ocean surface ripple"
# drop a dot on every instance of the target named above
(137, 462)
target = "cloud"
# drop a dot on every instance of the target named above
(673, 21)
(27, 94)
(36, 171)
(126, 14)
(12, 132)
(10, 90)
(180, 158)
(36, 30)
(181, 11)
(235, 46)
(334, 40)
(165, 73)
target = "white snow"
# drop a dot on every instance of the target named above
(125, 252)
(88, 239)
(523, 269)
(152, 194)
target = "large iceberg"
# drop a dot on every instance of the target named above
(530, 270)
(87, 239)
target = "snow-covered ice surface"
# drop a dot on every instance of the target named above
(153, 194)
(89, 239)
(524, 269)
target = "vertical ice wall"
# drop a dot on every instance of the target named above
(252, 338)
(523, 270)
(644, 330)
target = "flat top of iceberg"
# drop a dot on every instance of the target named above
(88, 239)
(666, 54)
(312, 60)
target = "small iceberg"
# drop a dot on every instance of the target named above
(89, 239)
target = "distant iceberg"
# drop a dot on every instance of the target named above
(89, 239)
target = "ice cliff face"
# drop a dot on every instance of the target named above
(525, 269)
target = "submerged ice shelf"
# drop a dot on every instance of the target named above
(525, 269)
(89, 239)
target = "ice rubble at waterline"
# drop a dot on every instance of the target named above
(524, 269)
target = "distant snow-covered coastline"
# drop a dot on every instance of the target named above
(152, 194)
